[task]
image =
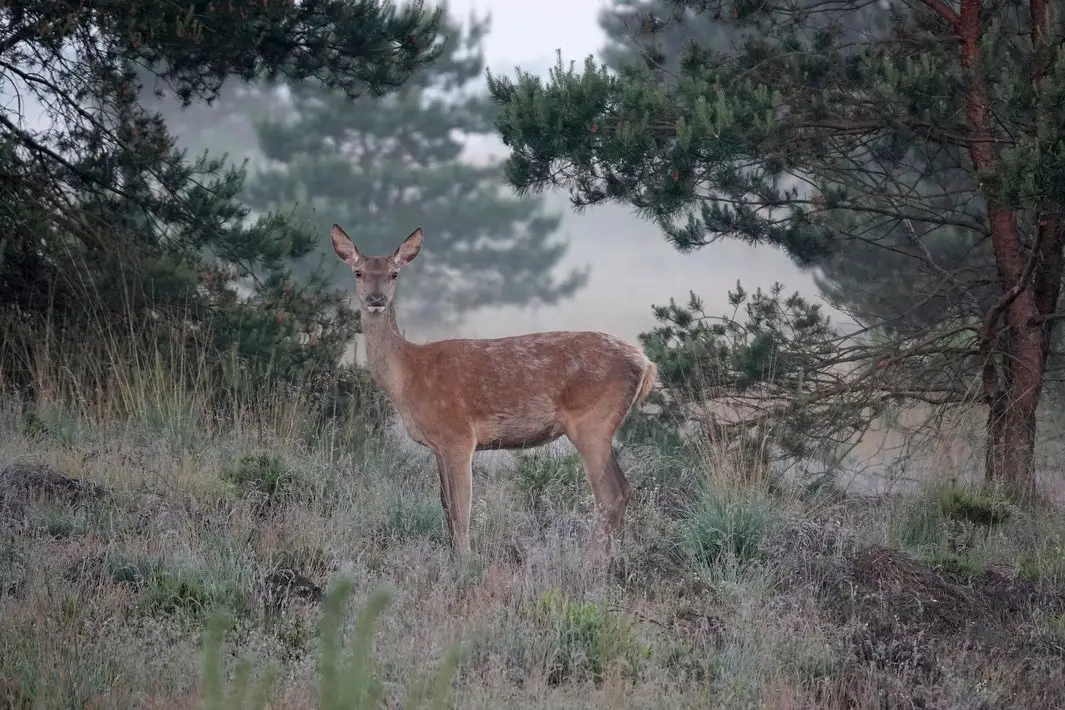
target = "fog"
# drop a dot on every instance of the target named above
(631, 264)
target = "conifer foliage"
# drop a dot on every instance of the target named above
(809, 142)
(382, 167)
(107, 227)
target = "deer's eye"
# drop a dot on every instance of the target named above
(358, 274)
(394, 275)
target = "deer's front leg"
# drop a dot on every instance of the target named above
(455, 466)
(445, 497)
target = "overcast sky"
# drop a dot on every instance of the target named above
(528, 33)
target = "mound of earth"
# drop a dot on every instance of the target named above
(36, 481)
(22, 485)
(907, 625)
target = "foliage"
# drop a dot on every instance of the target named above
(889, 277)
(382, 168)
(346, 678)
(775, 380)
(903, 280)
(586, 639)
(803, 140)
(659, 30)
(109, 228)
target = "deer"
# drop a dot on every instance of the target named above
(459, 396)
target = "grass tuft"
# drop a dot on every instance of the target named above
(725, 529)
(585, 640)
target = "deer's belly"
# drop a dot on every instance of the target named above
(513, 433)
(499, 430)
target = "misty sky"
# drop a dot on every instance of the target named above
(528, 33)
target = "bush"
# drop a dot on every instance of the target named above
(346, 680)
(725, 527)
(585, 640)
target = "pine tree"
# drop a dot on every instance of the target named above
(873, 280)
(656, 30)
(381, 168)
(808, 142)
(107, 228)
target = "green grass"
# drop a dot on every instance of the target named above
(725, 532)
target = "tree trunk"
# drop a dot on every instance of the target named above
(1014, 390)
(1030, 275)
(1010, 445)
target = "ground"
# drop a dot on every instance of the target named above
(121, 544)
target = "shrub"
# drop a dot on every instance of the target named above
(584, 639)
(725, 527)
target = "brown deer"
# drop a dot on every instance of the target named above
(459, 396)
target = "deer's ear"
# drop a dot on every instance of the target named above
(409, 248)
(343, 246)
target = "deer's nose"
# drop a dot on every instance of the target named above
(376, 299)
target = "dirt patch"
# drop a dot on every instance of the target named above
(36, 481)
(907, 626)
(24, 485)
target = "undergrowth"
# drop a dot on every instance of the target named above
(221, 560)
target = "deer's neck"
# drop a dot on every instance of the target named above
(386, 350)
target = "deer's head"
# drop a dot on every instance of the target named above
(375, 276)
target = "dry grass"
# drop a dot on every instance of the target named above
(730, 592)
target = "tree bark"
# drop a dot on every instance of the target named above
(1012, 430)
(1031, 286)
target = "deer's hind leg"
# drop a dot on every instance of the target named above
(593, 436)
(455, 466)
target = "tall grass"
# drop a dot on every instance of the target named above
(166, 380)
(347, 680)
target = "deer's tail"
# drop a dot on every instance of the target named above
(647, 383)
